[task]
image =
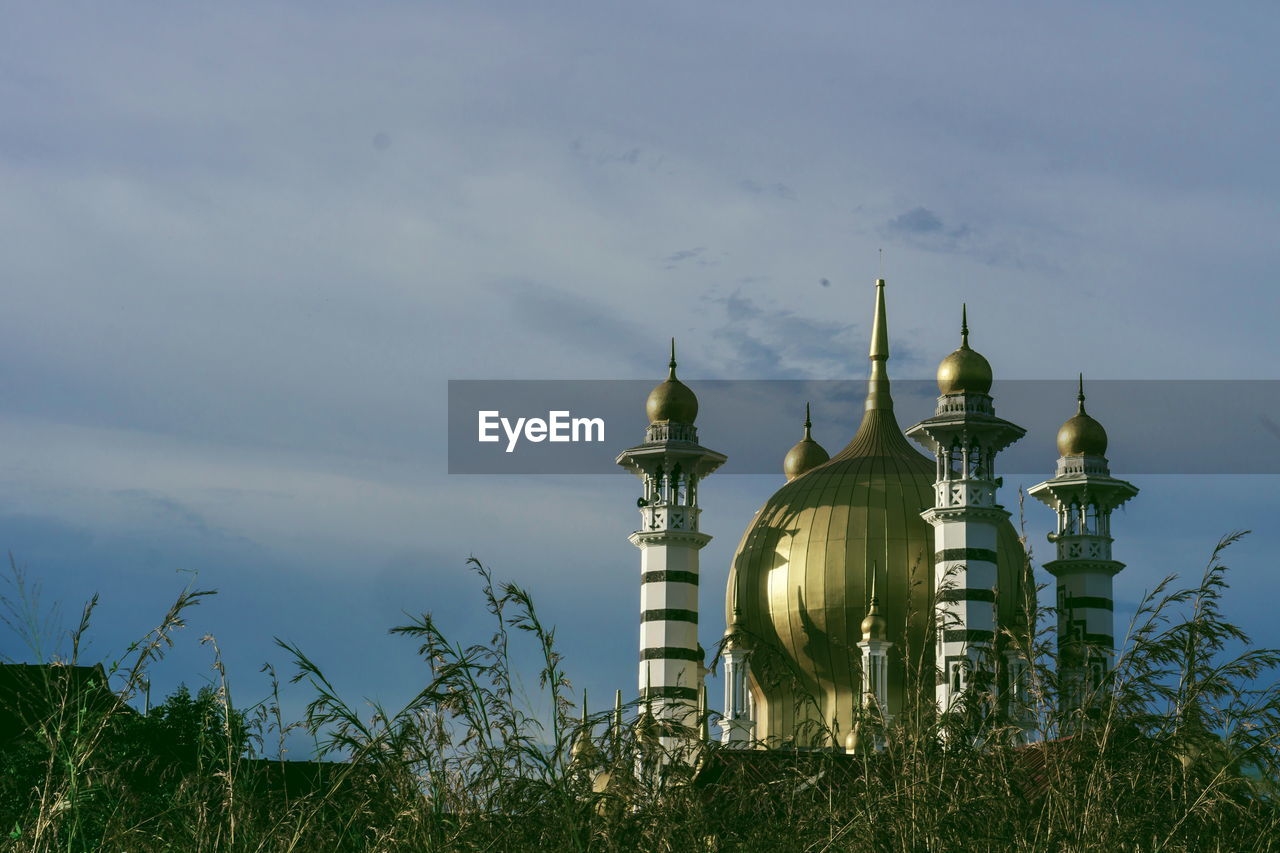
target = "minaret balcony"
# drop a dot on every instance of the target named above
(1083, 546)
(669, 517)
(962, 493)
(669, 431)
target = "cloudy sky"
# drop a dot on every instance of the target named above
(244, 246)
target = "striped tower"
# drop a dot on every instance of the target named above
(670, 464)
(965, 435)
(1083, 494)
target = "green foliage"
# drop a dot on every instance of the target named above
(1176, 750)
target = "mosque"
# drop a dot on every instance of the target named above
(874, 574)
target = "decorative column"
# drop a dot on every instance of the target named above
(670, 464)
(875, 647)
(1083, 494)
(965, 435)
(737, 723)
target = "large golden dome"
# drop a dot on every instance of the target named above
(800, 574)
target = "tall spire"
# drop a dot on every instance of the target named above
(878, 387)
(1080, 397)
(672, 364)
(808, 424)
(964, 325)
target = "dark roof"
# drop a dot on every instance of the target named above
(769, 766)
(34, 694)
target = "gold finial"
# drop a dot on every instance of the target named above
(582, 748)
(873, 626)
(1080, 397)
(672, 363)
(617, 716)
(878, 387)
(964, 325)
(808, 424)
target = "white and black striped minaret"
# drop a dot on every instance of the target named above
(965, 435)
(1083, 494)
(670, 464)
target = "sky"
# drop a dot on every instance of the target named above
(244, 247)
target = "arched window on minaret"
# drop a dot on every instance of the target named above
(976, 471)
(956, 461)
(1073, 518)
(1091, 518)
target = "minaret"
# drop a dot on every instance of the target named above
(1083, 494)
(875, 647)
(738, 722)
(965, 435)
(670, 464)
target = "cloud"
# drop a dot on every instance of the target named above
(577, 320)
(768, 342)
(624, 157)
(918, 220)
(776, 189)
(696, 255)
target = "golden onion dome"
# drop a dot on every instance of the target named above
(583, 750)
(806, 454)
(799, 572)
(873, 626)
(852, 741)
(1081, 435)
(646, 730)
(965, 370)
(672, 400)
(733, 632)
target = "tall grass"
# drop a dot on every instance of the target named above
(1175, 750)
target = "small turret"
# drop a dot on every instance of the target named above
(672, 401)
(964, 371)
(806, 455)
(1081, 435)
(873, 626)
(584, 751)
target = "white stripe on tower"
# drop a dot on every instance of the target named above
(670, 464)
(965, 435)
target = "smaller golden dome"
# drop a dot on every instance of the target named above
(874, 625)
(806, 455)
(852, 741)
(646, 730)
(734, 637)
(965, 370)
(1081, 435)
(672, 400)
(583, 750)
